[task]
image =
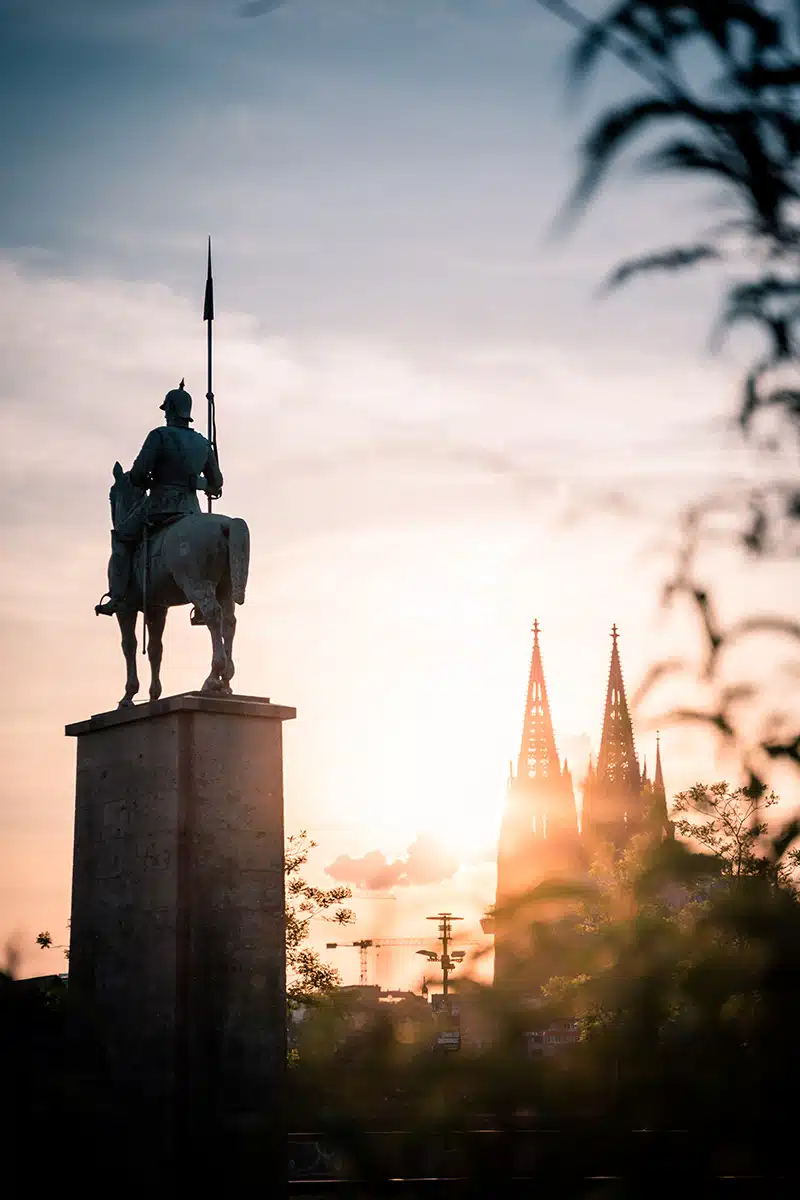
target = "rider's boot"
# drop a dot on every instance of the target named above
(119, 573)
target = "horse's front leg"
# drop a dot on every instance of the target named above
(156, 620)
(127, 628)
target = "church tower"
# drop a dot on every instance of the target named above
(539, 831)
(614, 806)
(659, 818)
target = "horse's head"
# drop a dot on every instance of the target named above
(125, 498)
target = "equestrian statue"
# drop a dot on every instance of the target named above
(164, 550)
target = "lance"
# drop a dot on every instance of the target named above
(208, 315)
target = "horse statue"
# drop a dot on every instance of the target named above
(200, 559)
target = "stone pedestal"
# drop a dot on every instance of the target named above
(177, 936)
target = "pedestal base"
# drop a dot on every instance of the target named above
(177, 936)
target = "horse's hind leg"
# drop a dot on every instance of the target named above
(156, 620)
(228, 628)
(204, 596)
(228, 634)
(127, 628)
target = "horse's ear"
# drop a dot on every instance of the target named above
(118, 472)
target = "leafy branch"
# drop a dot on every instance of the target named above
(309, 974)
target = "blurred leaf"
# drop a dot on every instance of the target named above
(611, 134)
(788, 835)
(675, 259)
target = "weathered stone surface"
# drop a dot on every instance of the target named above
(177, 940)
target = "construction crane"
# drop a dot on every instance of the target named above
(365, 944)
(448, 959)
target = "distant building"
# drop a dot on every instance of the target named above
(564, 1031)
(540, 836)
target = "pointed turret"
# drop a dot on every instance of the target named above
(658, 778)
(661, 820)
(534, 793)
(539, 832)
(616, 760)
(538, 758)
(545, 791)
(613, 807)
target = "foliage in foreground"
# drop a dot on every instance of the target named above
(717, 102)
(682, 970)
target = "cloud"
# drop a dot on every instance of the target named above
(333, 433)
(259, 8)
(426, 861)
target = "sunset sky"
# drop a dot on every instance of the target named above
(425, 408)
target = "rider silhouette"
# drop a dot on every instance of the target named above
(173, 463)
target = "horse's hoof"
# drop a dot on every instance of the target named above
(216, 687)
(125, 702)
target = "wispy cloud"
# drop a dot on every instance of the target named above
(259, 8)
(77, 390)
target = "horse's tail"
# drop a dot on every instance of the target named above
(238, 556)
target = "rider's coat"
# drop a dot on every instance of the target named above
(169, 464)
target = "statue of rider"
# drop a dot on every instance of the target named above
(174, 462)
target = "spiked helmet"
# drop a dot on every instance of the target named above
(178, 403)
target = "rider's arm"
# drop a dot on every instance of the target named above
(145, 459)
(213, 475)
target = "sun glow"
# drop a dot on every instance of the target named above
(440, 624)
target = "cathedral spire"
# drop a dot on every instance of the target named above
(539, 831)
(658, 779)
(612, 804)
(616, 761)
(660, 815)
(538, 758)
